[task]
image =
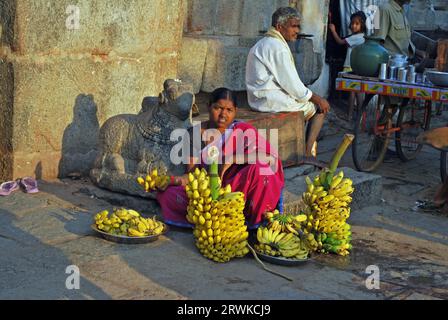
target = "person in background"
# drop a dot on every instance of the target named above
(395, 29)
(356, 38)
(272, 81)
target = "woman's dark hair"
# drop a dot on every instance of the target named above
(223, 94)
(362, 17)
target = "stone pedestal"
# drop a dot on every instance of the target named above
(60, 80)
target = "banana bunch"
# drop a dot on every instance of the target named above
(220, 230)
(284, 222)
(277, 243)
(312, 241)
(153, 181)
(334, 243)
(128, 223)
(327, 201)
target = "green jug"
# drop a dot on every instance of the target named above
(367, 58)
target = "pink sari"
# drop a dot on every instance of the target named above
(261, 183)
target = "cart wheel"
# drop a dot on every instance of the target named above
(371, 139)
(443, 165)
(412, 120)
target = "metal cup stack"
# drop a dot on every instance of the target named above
(412, 75)
(402, 74)
(383, 71)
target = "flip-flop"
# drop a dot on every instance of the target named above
(6, 188)
(29, 184)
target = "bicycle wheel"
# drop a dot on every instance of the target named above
(371, 138)
(412, 120)
(443, 166)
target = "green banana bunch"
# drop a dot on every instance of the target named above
(337, 244)
(327, 202)
(220, 230)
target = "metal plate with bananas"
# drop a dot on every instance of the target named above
(281, 260)
(127, 239)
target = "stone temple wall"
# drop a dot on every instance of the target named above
(59, 83)
(65, 70)
(218, 35)
(428, 14)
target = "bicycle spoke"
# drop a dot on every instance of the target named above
(413, 120)
(370, 137)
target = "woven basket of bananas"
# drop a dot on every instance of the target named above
(128, 227)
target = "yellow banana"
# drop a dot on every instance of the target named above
(135, 233)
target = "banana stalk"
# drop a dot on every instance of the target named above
(213, 154)
(340, 151)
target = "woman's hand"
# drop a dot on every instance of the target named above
(229, 161)
(181, 180)
(224, 168)
(174, 181)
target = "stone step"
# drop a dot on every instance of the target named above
(368, 187)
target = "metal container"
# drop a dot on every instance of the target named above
(383, 71)
(402, 73)
(367, 58)
(411, 77)
(421, 78)
(411, 69)
(398, 60)
(126, 239)
(281, 261)
(438, 78)
(392, 73)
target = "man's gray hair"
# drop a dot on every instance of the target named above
(282, 15)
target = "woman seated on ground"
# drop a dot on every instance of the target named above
(251, 165)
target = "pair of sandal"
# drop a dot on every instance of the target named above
(28, 184)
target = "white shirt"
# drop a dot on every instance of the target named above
(272, 81)
(353, 41)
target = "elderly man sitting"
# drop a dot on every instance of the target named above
(272, 81)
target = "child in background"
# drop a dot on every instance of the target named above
(358, 29)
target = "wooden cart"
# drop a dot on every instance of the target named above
(375, 125)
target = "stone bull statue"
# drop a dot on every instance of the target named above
(132, 145)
